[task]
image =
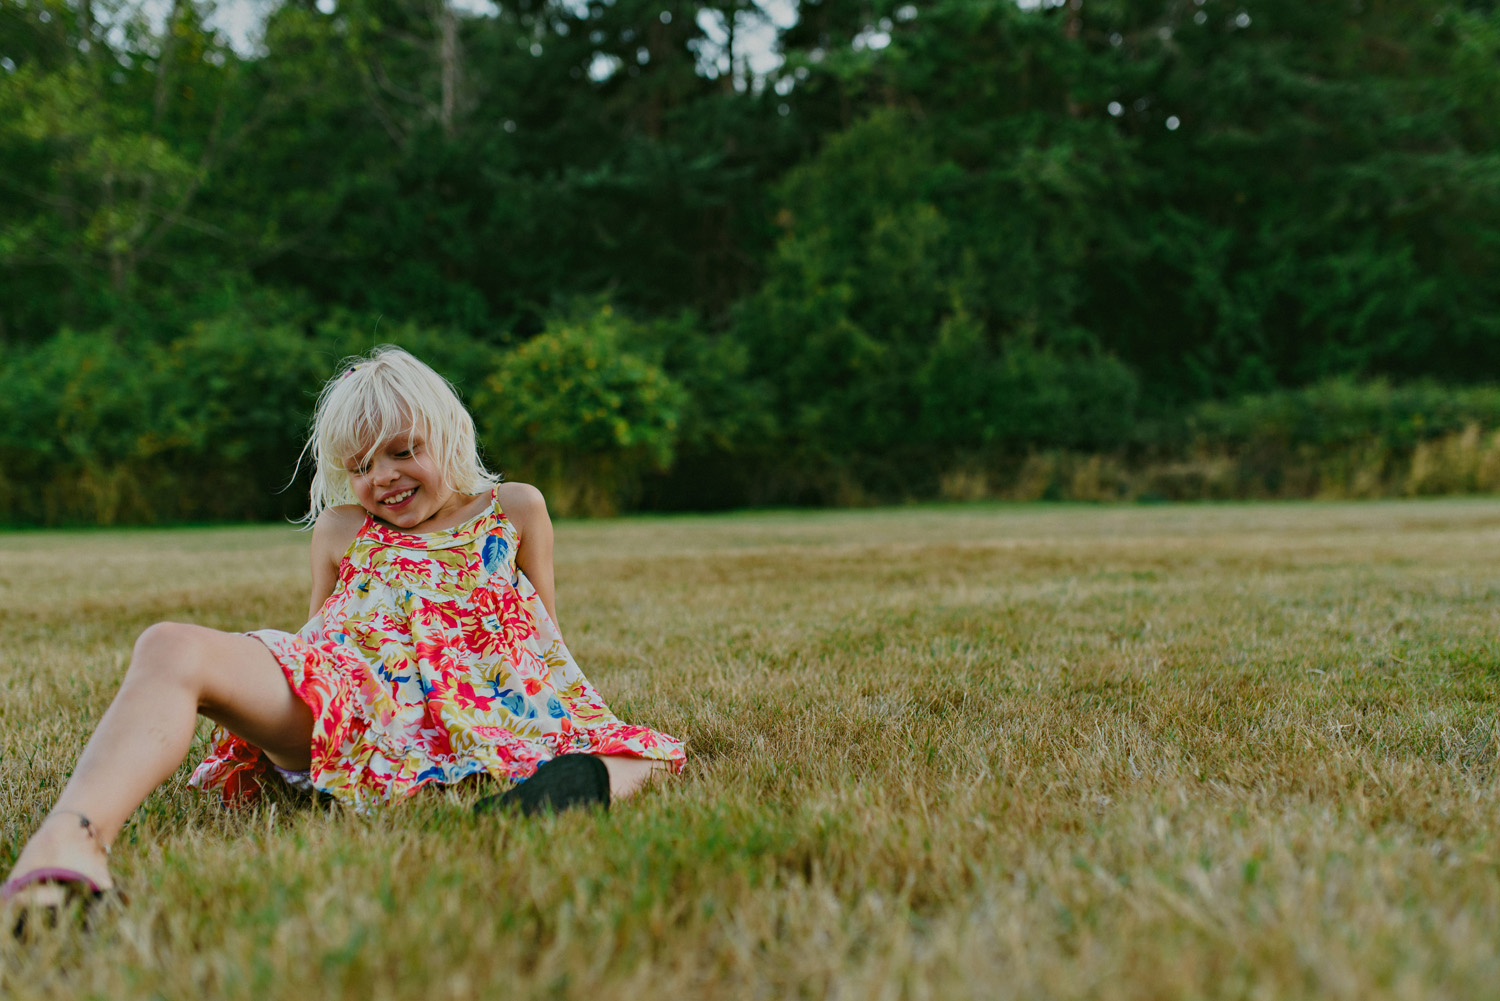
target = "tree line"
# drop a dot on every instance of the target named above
(702, 254)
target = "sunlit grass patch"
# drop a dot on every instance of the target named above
(978, 751)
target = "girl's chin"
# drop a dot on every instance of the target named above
(406, 515)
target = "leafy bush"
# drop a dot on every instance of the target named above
(1336, 438)
(1020, 396)
(598, 409)
(577, 410)
(918, 310)
(207, 425)
(464, 360)
(1343, 412)
(73, 414)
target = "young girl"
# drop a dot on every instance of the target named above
(432, 653)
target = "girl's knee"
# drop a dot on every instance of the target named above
(168, 651)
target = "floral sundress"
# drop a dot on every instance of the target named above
(435, 660)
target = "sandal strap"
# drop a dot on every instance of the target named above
(50, 874)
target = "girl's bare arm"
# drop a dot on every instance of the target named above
(334, 530)
(526, 508)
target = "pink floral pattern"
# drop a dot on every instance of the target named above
(435, 660)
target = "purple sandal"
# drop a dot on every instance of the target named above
(75, 883)
(77, 888)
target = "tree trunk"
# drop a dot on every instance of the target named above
(164, 65)
(1073, 30)
(448, 63)
(734, 72)
(86, 27)
(1075, 18)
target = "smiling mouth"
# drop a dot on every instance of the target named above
(400, 498)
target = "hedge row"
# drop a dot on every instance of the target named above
(606, 413)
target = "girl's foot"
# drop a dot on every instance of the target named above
(65, 841)
(628, 774)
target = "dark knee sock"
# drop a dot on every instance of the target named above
(566, 781)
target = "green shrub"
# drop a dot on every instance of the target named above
(598, 408)
(1346, 438)
(74, 414)
(206, 426)
(722, 410)
(580, 413)
(1021, 396)
(209, 425)
(1344, 412)
(464, 360)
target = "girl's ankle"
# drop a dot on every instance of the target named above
(69, 846)
(71, 831)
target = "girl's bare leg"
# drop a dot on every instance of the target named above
(176, 672)
(627, 774)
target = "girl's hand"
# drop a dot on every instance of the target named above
(526, 508)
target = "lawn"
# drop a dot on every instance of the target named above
(1228, 751)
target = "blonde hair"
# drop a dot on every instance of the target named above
(376, 398)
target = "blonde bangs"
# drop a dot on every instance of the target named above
(375, 399)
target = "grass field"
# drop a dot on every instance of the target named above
(1230, 751)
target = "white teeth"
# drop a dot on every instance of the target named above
(398, 498)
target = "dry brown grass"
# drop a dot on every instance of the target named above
(1239, 751)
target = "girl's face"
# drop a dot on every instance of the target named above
(400, 484)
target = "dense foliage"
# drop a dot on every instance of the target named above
(924, 237)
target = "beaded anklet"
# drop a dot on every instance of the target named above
(87, 825)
